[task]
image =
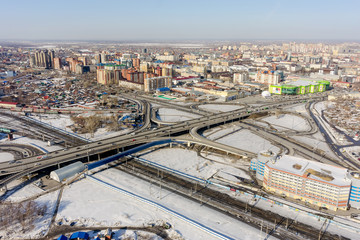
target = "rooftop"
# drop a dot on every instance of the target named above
(313, 170)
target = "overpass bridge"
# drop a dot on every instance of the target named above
(34, 164)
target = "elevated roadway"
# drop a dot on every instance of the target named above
(34, 164)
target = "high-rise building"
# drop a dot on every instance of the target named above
(43, 58)
(57, 63)
(268, 77)
(51, 59)
(167, 71)
(83, 59)
(136, 63)
(79, 69)
(108, 76)
(240, 77)
(103, 58)
(97, 58)
(151, 84)
(144, 67)
(32, 61)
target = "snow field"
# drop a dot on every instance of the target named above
(244, 140)
(288, 121)
(63, 121)
(33, 142)
(297, 108)
(113, 208)
(189, 162)
(173, 115)
(217, 108)
(41, 225)
(5, 156)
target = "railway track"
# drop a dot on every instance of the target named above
(240, 211)
(36, 130)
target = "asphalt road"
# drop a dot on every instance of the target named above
(34, 164)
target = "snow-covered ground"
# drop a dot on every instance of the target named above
(216, 108)
(300, 108)
(5, 156)
(109, 207)
(336, 136)
(288, 122)
(221, 131)
(243, 139)
(19, 191)
(355, 150)
(203, 166)
(91, 204)
(64, 122)
(317, 141)
(41, 224)
(173, 115)
(42, 146)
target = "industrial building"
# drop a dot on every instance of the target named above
(312, 182)
(300, 87)
(68, 171)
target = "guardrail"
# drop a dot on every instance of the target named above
(58, 129)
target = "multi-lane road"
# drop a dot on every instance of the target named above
(143, 135)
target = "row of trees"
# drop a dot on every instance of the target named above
(14, 216)
(91, 123)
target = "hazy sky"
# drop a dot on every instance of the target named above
(181, 19)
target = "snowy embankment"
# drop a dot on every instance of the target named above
(334, 135)
(243, 139)
(114, 208)
(217, 108)
(288, 122)
(64, 122)
(173, 115)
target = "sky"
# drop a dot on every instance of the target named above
(180, 20)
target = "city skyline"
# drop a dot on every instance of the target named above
(188, 20)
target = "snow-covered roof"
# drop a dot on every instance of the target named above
(312, 170)
(68, 171)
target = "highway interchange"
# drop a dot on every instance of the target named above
(189, 132)
(146, 134)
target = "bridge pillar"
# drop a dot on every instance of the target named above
(171, 145)
(188, 144)
(98, 156)
(4, 188)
